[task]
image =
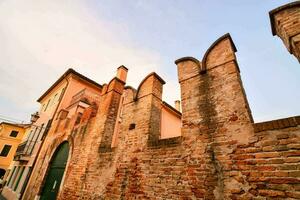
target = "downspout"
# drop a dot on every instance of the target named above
(44, 136)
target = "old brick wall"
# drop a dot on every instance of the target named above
(285, 22)
(209, 160)
(221, 153)
(269, 165)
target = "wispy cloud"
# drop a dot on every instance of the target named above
(41, 39)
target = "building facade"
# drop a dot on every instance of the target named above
(54, 99)
(11, 135)
(118, 142)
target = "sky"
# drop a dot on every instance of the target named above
(40, 40)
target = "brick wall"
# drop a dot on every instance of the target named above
(221, 153)
(285, 22)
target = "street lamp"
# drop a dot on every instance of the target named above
(34, 117)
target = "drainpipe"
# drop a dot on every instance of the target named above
(45, 134)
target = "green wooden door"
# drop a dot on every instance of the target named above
(55, 172)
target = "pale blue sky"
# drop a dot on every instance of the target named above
(95, 37)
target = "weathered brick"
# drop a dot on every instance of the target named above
(220, 155)
(267, 155)
(271, 193)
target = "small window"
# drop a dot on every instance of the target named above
(5, 150)
(131, 126)
(61, 94)
(54, 99)
(78, 119)
(14, 134)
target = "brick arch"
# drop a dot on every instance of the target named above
(212, 49)
(141, 86)
(130, 94)
(111, 85)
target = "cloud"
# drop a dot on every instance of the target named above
(41, 39)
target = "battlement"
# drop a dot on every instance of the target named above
(129, 143)
(285, 23)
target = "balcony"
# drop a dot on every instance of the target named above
(24, 150)
(80, 96)
(84, 97)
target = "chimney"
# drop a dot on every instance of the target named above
(177, 105)
(122, 73)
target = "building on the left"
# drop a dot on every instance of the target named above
(72, 92)
(11, 135)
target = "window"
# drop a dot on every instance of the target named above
(19, 178)
(131, 126)
(14, 134)
(43, 107)
(54, 99)
(10, 177)
(5, 150)
(78, 119)
(47, 105)
(61, 94)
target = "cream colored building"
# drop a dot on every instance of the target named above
(11, 136)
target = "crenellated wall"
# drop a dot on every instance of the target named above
(118, 152)
(285, 23)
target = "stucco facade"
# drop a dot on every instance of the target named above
(11, 136)
(54, 99)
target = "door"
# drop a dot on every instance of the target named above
(55, 172)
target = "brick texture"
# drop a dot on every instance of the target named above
(221, 153)
(285, 22)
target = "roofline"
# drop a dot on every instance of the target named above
(69, 71)
(171, 108)
(280, 8)
(13, 124)
(186, 59)
(122, 66)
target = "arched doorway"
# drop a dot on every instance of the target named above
(55, 172)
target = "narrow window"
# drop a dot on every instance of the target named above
(19, 178)
(5, 150)
(43, 107)
(14, 134)
(131, 126)
(47, 105)
(54, 99)
(61, 94)
(78, 119)
(11, 175)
